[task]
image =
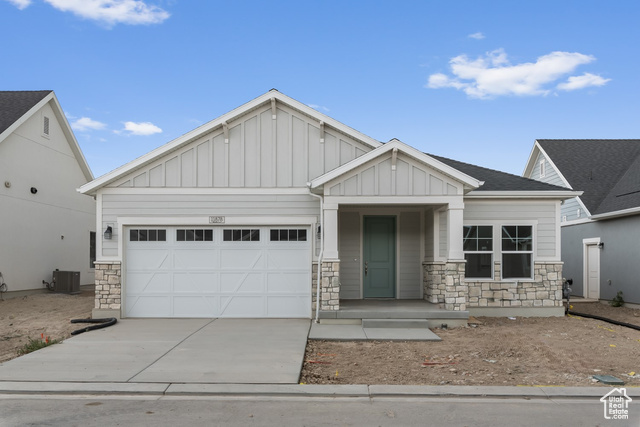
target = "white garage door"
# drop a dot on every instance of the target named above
(218, 272)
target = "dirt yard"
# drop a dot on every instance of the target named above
(27, 317)
(494, 351)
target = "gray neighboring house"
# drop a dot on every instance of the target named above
(45, 223)
(600, 228)
(277, 210)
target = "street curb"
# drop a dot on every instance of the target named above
(303, 390)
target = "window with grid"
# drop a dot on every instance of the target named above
(478, 251)
(140, 235)
(288, 235)
(241, 235)
(517, 251)
(194, 235)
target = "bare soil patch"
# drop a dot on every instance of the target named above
(565, 351)
(30, 316)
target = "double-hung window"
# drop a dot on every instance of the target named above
(478, 251)
(517, 251)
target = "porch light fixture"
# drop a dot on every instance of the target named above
(601, 245)
(108, 233)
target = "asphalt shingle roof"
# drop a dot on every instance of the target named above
(14, 104)
(606, 170)
(498, 181)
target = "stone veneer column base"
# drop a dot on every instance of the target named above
(108, 297)
(330, 286)
(444, 283)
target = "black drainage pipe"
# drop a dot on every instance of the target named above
(604, 319)
(100, 323)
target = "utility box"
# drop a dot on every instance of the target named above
(66, 282)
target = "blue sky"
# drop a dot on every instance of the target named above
(476, 81)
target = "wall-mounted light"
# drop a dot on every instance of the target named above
(601, 245)
(108, 233)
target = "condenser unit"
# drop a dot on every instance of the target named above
(67, 282)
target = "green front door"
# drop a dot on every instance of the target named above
(379, 257)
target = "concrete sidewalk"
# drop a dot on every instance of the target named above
(252, 351)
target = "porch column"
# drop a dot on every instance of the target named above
(330, 286)
(455, 222)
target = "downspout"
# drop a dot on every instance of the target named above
(319, 282)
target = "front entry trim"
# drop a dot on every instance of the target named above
(379, 257)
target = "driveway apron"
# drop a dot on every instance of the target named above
(242, 351)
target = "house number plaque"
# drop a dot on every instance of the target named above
(216, 220)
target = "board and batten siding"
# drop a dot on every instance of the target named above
(261, 152)
(410, 259)
(541, 214)
(350, 259)
(378, 178)
(195, 205)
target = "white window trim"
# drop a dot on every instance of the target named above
(491, 252)
(543, 168)
(532, 252)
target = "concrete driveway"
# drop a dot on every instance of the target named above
(239, 351)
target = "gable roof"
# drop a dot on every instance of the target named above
(606, 170)
(272, 97)
(497, 181)
(468, 181)
(15, 104)
(16, 107)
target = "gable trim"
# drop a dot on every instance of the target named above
(64, 124)
(562, 195)
(467, 181)
(218, 123)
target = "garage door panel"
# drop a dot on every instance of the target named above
(241, 283)
(198, 283)
(151, 259)
(288, 259)
(195, 259)
(149, 306)
(287, 282)
(242, 306)
(288, 306)
(241, 259)
(217, 278)
(196, 306)
(139, 283)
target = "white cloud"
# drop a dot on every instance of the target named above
(492, 75)
(85, 124)
(318, 107)
(477, 36)
(580, 82)
(142, 128)
(112, 12)
(20, 4)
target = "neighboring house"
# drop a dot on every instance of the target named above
(46, 224)
(232, 218)
(600, 228)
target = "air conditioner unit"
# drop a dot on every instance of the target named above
(67, 282)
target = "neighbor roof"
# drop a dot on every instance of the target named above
(15, 104)
(498, 181)
(606, 170)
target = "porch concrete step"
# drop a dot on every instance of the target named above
(395, 323)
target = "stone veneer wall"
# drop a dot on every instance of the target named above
(544, 291)
(330, 286)
(444, 283)
(108, 285)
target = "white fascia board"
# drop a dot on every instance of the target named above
(576, 222)
(188, 137)
(558, 171)
(204, 191)
(616, 214)
(528, 167)
(582, 205)
(26, 116)
(406, 149)
(562, 195)
(71, 138)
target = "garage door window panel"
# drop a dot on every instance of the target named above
(288, 235)
(241, 235)
(147, 235)
(194, 235)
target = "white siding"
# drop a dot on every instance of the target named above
(261, 153)
(50, 229)
(378, 178)
(200, 205)
(541, 214)
(409, 264)
(350, 259)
